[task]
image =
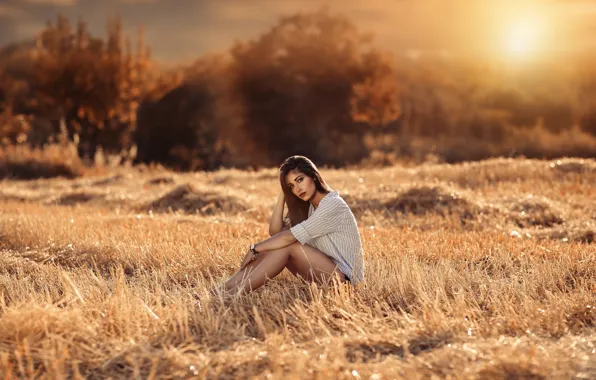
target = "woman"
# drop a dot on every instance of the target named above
(322, 239)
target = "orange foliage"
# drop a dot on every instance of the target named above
(313, 84)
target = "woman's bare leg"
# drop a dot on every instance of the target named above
(242, 273)
(303, 260)
(291, 267)
(268, 265)
(313, 265)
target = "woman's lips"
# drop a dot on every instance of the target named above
(302, 194)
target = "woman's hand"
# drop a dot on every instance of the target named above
(276, 222)
(250, 256)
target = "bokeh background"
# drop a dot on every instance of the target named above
(200, 85)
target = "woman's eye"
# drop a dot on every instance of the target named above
(300, 179)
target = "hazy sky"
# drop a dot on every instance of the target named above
(184, 29)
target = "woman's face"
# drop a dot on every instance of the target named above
(301, 185)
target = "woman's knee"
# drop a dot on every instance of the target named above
(295, 246)
(295, 249)
(286, 251)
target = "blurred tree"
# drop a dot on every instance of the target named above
(184, 121)
(312, 85)
(15, 94)
(95, 86)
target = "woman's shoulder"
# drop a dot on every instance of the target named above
(334, 194)
(331, 197)
(334, 199)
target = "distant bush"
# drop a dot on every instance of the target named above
(23, 162)
(184, 126)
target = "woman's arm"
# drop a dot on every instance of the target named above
(280, 240)
(327, 218)
(276, 222)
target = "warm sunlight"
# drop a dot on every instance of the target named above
(523, 37)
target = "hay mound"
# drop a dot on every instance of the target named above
(161, 181)
(76, 198)
(569, 234)
(188, 199)
(108, 180)
(423, 200)
(54, 160)
(574, 166)
(531, 211)
(33, 169)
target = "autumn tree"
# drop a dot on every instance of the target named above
(95, 85)
(313, 85)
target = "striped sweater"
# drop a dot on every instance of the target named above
(332, 229)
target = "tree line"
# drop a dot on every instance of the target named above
(313, 84)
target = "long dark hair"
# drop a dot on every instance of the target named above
(298, 208)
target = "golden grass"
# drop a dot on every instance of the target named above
(475, 271)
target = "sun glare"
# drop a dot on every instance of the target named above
(523, 37)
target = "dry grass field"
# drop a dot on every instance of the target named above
(481, 270)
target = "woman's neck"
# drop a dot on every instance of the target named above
(316, 199)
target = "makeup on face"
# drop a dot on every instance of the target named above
(301, 185)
